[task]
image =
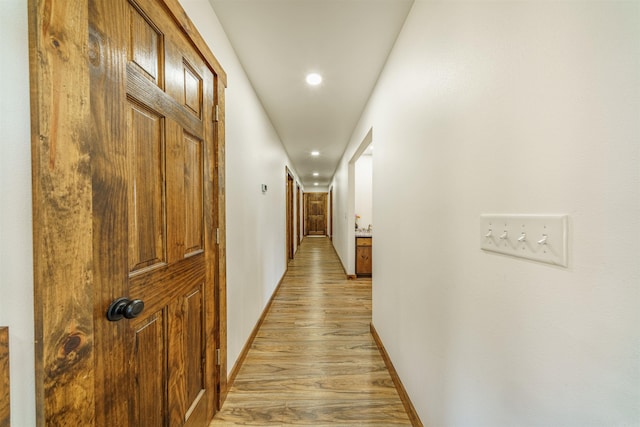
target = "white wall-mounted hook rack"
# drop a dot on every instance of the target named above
(551, 248)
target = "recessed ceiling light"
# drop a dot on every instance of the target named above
(315, 153)
(315, 183)
(316, 174)
(314, 79)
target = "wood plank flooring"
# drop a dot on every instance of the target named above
(313, 361)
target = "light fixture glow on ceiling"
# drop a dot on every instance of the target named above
(315, 153)
(314, 79)
(315, 183)
(316, 174)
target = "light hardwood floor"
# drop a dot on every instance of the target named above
(313, 361)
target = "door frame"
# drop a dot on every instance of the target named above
(60, 49)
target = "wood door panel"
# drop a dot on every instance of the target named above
(146, 46)
(186, 338)
(193, 348)
(315, 208)
(150, 373)
(192, 89)
(146, 206)
(193, 190)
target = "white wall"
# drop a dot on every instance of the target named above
(509, 107)
(256, 222)
(16, 259)
(342, 217)
(363, 190)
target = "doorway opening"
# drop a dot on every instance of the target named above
(360, 207)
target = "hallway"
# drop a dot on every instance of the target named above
(313, 361)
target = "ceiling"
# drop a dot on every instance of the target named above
(279, 42)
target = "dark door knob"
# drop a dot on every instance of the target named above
(124, 307)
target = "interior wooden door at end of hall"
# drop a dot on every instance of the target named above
(153, 165)
(316, 217)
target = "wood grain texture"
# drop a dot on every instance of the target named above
(73, 283)
(151, 372)
(313, 360)
(153, 164)
(298, 216)
(289, 216)
(62, 212)
(331, 213)
(112, 157)
(5, 386)
(364, 252)
(220, 263)
(316, 213)
(406, 401)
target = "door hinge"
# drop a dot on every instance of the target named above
(217, 236)
(216, 116)
(218, 361)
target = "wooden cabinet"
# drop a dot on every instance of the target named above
(363, 256)
(4, 377)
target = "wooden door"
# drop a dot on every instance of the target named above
(147, 327)
(153, 104)
(289, 220)
(316, 213)
(298, 214)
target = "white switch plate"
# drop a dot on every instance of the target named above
(541, 238)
